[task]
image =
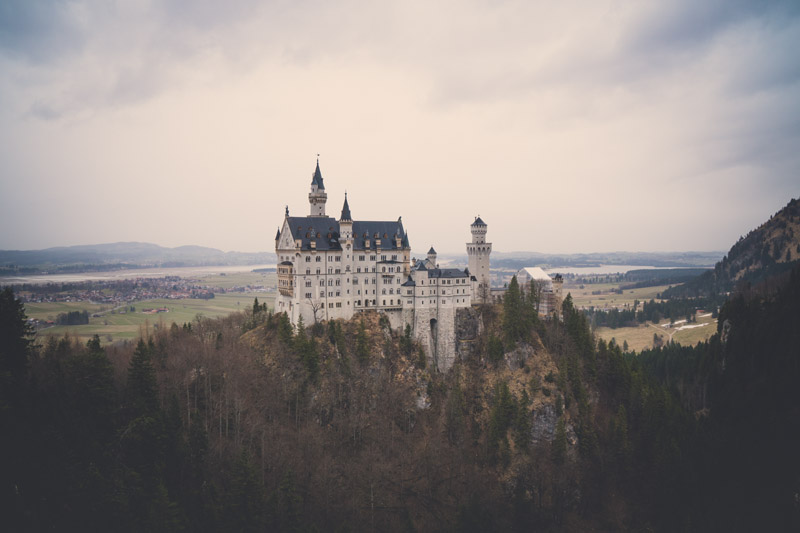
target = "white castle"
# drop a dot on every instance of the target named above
(333, 269)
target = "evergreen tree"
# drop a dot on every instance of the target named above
(142, 388)
(513, 313)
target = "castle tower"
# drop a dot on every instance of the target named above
(317, 197)
(478, 251)
(431, 258)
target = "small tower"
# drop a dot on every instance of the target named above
(431, 258)
(478, 251)
(317, 197)
(346, 222)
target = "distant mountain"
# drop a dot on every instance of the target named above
(121, 255)
(770, 249)
(517, 260)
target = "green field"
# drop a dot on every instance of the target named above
(583, 297)
(114, 325)
(641, 338)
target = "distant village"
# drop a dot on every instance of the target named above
(122, 292)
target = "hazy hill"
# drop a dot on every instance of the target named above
(770, 249)
(517, 260)
(122, 255)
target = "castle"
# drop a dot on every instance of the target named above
(333, 269)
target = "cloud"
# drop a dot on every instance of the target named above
(40, 31)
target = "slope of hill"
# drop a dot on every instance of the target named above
(121, 255)
(770, 249)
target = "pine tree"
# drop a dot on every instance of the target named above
(142, 388)
(513, 313)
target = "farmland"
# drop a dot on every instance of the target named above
(113, 322)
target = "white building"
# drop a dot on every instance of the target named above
(332, 269)
(548, 288)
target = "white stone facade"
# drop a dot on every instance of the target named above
(332, 269)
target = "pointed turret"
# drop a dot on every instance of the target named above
(346, 210)
(431, 258)
(317, 197)
(317, 179)
(278, 235)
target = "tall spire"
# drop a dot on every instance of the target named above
(346, 210)
(317, 179)
(317, 197)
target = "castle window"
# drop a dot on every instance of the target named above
(308, 295)
(338, 258)
(308, 259)
(319, 258)
(360, 257)
(372, 258)
(383, 291)
(338, 293)
(338, 282)
(338, 304)
(308, 271)
(384, 302)
(355, 281)
(308, 283)
(358, 269)
(383, 269)
(338, 271)
(330, 294)
(330, 282)
(394, 257)
(318, 271)
(383, 258)
(330, 304)
(322, 283)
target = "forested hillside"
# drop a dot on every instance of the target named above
(770, 249)
(247, 424)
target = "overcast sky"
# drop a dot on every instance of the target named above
(567, 126)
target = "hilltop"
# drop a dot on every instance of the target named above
(770, 249)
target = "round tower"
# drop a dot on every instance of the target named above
(317, 197)
(478, 251)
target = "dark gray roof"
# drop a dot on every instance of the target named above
(447, 273)
(385, 231)
(322, 230)
(278, 235)
(346, 210)
(325, 232)
(478, 222)
(431, 251)
(317, 179)
(409, 283)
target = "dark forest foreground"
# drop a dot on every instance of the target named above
(246, 424)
